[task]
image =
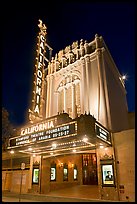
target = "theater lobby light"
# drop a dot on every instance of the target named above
(12, 152)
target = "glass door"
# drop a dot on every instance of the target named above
(89, 163)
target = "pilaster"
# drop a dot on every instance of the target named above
(87, 60)
(65, 108)
(83, 85)
(48, 91)
(51, 96)
(73, 101)
(102, 109)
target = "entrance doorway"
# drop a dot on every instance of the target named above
(89, 167)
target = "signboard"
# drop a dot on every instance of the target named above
(65, 174)
(35, 179)
(22, 166)
(107, 169)
(53, 174)
(108, 176)
(103, 134)
(38, 127)
(39, 68)
(75, 174)
(64, 130)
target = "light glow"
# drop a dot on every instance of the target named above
(124, 77)
(29, 148)
(12, 152)
(54, 145)
(85, 139)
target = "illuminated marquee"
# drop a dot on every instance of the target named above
(103, 134)
(41, 135)
(39, 68)
(37, 128)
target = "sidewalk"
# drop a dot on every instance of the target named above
(29, 197)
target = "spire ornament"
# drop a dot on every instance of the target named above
(42, 26)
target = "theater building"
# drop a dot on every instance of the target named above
(76, 122)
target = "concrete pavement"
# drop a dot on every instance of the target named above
(79, 193)
(49, 199)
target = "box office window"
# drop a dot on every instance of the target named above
(35, 178)
(53, 172)
(65, 172)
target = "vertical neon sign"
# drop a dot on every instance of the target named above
(36, 111)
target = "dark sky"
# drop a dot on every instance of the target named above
(66, 23)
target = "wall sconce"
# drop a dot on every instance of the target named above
(60, 165)
(12, 152)
(72, 165)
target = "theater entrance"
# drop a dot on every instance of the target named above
(89, 167)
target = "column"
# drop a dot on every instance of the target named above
(42, 97)
(83, 86)
(57, 101)
(65, 108)
(47, 104)
(73, 100)
(30, 173)
(87, 59)
(81, 98)
(102, 109)
(51, 96)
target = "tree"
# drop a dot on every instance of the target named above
(7, 129)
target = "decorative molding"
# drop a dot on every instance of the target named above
(106, 157)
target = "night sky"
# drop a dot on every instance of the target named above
(66, 23)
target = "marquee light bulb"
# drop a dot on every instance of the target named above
(29, 148)
(85, 139)
(54, 145)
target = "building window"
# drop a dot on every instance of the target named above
(65, 172)
(53, 172)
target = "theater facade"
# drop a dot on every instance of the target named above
(78, 104)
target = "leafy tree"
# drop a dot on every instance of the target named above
(7, 129)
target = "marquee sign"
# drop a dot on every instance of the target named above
(103, 134)
(42, 135)
(39, 68)
(38, 127)
(37, 104)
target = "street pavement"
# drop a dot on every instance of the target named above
(45, 198)
(78, 193)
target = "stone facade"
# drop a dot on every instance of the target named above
(125, 154)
